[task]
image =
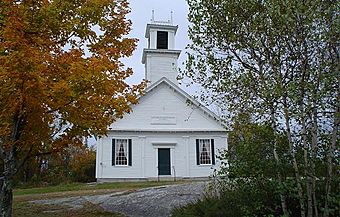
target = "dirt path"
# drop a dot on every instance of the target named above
(148, 202)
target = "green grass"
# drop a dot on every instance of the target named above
(27, 209)
(84, 187)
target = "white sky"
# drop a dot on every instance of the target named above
(141, 13)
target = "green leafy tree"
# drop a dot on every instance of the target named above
(250, 154)
(249, 187)
(279, 61)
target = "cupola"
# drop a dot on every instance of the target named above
(160, 57)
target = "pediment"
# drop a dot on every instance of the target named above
(166, 107)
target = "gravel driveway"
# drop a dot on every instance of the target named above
(147, 202)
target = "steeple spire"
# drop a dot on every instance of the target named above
(153, 16)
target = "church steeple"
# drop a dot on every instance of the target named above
(160, 58)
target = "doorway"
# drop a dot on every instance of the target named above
(164, 167)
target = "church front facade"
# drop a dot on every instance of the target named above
(168, 135)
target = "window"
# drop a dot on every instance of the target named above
(205, 153)
(121, 152)
(162, 40)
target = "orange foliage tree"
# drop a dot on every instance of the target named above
(76, 163)
(82, 164)
(61, 78)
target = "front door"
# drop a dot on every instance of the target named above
(164, 161)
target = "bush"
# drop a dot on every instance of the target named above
(251, 198)
(240, 197)
(83, 166)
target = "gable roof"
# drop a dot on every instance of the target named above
(189, 98)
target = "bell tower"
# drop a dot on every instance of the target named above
(160, 57)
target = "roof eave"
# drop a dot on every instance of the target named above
(159, 26)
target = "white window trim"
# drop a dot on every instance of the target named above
(126, 152)
(210, 152)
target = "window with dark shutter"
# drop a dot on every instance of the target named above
(113, 152)
(197, 152)
(121, 152)
(213, 151)
(130, 152)
(162, 40)
(205, 152)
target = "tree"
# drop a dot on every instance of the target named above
(249, 153)
(61, 78)
(279, 61)
(83, 164)
(76, 163)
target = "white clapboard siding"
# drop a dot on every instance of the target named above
(162, 64)
(144, 157)
(163, 108)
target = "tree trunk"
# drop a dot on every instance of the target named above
(316, 211)
(314, 154)
(309, 190)
(277, 160)
(10, 166)
(307, 165)
(295, 165)
(282, 196)
(330, 155)
(6, 198)
(303, 115)
(6, 194)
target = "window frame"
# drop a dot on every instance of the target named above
(159, 42)
(211, 152)
(126, 152)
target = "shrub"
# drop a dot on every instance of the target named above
(240, 197)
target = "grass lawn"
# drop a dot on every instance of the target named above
(89, 187)
(23, 208)
(28, 209)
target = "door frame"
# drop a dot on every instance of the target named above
(170, 161)
(171, 145)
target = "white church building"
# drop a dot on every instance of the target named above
(168, 135)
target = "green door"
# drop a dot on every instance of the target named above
(164, 161)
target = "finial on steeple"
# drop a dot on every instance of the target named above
(171, 17)
(162, 22)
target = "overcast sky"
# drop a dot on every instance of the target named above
(141, 13)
